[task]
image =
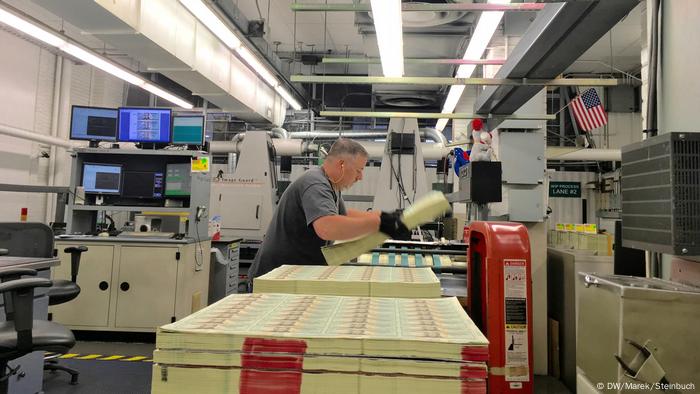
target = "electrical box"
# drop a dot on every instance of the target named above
(660, 179)
(402, 143)
(480, 181)
(522, 154)
(525, 203)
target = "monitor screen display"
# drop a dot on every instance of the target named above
(92, 123)
(102, 178)
(144, 125)
(178, 180)
(142, 184)
(188, 130)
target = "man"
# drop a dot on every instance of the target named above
(312, 213)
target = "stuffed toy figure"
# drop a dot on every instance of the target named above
(481, 150)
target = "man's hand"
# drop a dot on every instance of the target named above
(391, 225)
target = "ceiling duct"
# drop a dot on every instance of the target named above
(427, 34)
(425, 22)
(406, 100)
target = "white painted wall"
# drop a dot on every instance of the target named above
(26, 101)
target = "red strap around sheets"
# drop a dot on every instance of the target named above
(271, 366)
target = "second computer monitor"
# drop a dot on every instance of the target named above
(102, 178)
(188, 130)
(145, 125)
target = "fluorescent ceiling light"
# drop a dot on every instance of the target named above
(51, 38)
(287, 97)
(211, 21)
(166, 95)
(258, 67)
(487, 25)
(440, 125)
(102, 64)
(26, 27)
(452, 98)
(389, 31)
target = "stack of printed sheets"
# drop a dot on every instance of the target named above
(289, 343)
(361, 281)
(410, 260)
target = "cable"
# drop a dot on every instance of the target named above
(257, 5)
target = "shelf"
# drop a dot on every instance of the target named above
(147, 152)
(128, 209)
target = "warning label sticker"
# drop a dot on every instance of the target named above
(516, 341)
(516, 356)
(515, 281)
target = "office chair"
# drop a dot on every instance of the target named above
(21, 334)
(36, 240)
(61, 291)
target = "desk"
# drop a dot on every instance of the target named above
(33, 363)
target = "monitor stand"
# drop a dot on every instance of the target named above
(151, 145)
(94, 144)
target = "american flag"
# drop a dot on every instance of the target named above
(588, 110)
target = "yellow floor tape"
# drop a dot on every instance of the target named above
(100, 357)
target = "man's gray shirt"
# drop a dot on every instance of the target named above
(291, 238)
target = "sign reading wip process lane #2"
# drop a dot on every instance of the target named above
(565, 189)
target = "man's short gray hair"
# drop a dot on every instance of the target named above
(347, 147)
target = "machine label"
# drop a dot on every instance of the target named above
(565, 189)
(200, 164)
(516, 342)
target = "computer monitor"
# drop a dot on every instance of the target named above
(93, 123)
(140, 184)
(188, 130)
(178, 180)
(102, 178)
(146, 125)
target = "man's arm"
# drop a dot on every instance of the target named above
(357, 213)
(341, 227)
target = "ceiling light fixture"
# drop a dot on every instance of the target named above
(485, 28)
(211, 21)
(62, 43)
(389, 31)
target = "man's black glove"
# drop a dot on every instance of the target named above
(391, 225)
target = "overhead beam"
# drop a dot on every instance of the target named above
(376, 60)
(302, 7)
(362, 80)
(425, 115)
(558, 36)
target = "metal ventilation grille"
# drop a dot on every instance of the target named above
(661, 194)
(686, 190)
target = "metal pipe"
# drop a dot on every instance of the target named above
(376, 60)
(417, 7)
(362, 80)
(584, 154)
(435, 115)
(296, 147)
(58, 70)
(429, 133)
(279, 132)
(32, 136)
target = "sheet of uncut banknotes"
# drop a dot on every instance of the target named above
(431, 206)
(292, 343)
(350, 281)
